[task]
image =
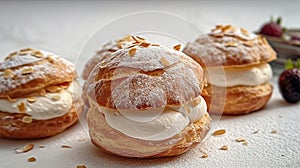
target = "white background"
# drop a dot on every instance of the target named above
(64, 27)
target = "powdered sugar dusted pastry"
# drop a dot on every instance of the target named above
(145, 102)
(39, 95)
(244, 57)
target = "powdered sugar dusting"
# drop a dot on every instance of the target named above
(152, 84)
(41, 67)
(143, 59)
(229, 46)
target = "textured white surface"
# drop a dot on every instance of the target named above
(64, 27)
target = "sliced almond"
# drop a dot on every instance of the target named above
(8, 73)
(41, 146)
(240, 140)
(248, 43)
(22, 107)
(231, 44)
(164, 61)
(141, 38)
(218, 35)
(37, 54)
(55, 97)
(26, 49)
(119, 44)
(53, 89)
(66, 146)
(27, 119)
(225, 28)
(224, 147)
(25, 148)
(136, 39)
(177, 47)
(11, 55)
(32, 159)
(132, 52)
(27, 71)
(24, 52)
(145, 45)
(155, 45)
(245, 32)
(31, 99)
(50, 58)
(219, 132)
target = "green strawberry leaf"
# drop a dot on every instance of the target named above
(279, 21)
(289, 64)
(298, 64)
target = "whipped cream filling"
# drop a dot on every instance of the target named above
(250, 76)
(45, 107)
(170, 121)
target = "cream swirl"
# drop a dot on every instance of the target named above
(171, 121)
(250, 76)
(45, 107)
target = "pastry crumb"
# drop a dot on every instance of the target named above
(224, 147)
(273, 132)
(204, 156)
(32, 159)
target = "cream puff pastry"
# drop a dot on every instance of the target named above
(39, 95)
(146, 102)
(244, 57)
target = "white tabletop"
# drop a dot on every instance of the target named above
(64, 27)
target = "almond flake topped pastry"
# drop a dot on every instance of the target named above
(145, 102)
(244, 57)
(39, 95)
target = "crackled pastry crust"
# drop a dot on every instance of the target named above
(112, 141)
(142, 78)
(12, 126)
(222, 47)
(153, 77)
(30, 73)
(238, 100)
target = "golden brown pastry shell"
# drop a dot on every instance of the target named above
(238, 99)
(12, 127)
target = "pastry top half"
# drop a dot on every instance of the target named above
(144, 77)
(26, 71)
(230, 47)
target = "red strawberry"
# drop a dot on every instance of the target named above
(289, 83)
(272, 28)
